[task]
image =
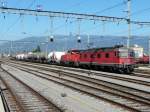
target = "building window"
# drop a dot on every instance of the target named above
(107, 55)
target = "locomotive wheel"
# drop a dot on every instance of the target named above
(96, 67)
(127, 71)
(120, 71)
(76, 64)
(111, 69)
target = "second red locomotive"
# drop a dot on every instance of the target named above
(117, 59)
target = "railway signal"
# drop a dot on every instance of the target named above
(51, 38)
(51, 29)
(39, 7)
(79, 39)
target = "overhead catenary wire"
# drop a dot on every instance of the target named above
(140, 11)
(133, 22)
(31, 4)
(74, 5)
(114, 6)
(17, 20)
(111, 7)
(98, 12)
(138, 23)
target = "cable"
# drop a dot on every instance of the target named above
(31, 4)
(106, 9)
(140, 11)
(13, 24)
(111, 7)
(74, 5)
(17, 20)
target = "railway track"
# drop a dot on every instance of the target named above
(127, 78)
(27, 99)
(2, 97)
(140, 74)
(132, 99)
(137, 73)
(9, 100)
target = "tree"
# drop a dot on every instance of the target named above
(38, 49)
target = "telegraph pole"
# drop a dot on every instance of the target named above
(10, 48)
(129, 23)
(79, 38)
(46, 45)
(88, 41)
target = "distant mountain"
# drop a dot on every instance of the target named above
(63, 42)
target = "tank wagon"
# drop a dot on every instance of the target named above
(21, 56)
(55, 57)
(33, 57)
(116, 59)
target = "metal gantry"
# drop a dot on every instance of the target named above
(59, 14)
(77, 16)
(72, 15)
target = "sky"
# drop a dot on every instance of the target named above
(15, 27)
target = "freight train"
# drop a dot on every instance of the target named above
(115, 59)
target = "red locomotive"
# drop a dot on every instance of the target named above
(117, 59)
(143, 60)
(71, 58)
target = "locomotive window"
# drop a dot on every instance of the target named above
(85, 56)
(107, 55)
(80, 55)
(132, 54)
(123, 54)
(98, 55)
(115, 54)
(92, 55)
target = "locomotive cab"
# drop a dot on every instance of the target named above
(71, 58)
(126, 60)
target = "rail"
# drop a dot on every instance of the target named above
(77, 86)
(6, 108)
